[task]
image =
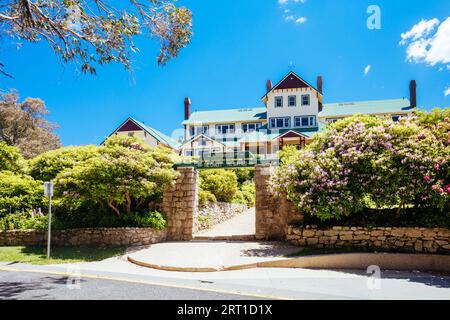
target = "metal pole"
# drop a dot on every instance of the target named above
(49, 220)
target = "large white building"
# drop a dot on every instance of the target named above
(293, 112)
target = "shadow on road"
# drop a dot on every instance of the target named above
(13, 290)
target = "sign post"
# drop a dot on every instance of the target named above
(48, 191)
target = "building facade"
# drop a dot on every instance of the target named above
(294, 111)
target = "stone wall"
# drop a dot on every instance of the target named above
(273, 214)
(420, 240)
(215, 213)
(180, 205)
(84, 237)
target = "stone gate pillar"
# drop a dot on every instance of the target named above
(273, 214)
(180, 205)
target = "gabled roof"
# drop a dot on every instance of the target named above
(158, 135)
(201, 136)
(161, 137)
(227, 115)
(394, 106)
(291, 81)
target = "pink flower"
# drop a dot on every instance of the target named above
(447, 187)
(427, 178)
(436, 166)
(441, 190)
(446, 119)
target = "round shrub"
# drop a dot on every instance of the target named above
(221, 183)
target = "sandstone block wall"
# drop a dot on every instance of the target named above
(273, 214)
(420, 240)
(215, 213)
(84, 237)
(180, 205)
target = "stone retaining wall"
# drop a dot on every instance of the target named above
(84, 237)
(420, 240)
(215, 213)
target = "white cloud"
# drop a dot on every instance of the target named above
(425, 47)
(447, 91)
(423, 28)
(367, 69)
(289, 18)
(301, 20)
(289, 15)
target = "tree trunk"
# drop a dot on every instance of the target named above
(397, 214)
(116, 211)
(127, 195)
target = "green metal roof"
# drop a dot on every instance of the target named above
(158, 135)
(366, 107)
(265, 134)
(227, 115)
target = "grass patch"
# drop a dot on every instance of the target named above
(37, 255)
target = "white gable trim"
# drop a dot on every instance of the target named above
(200, 136)
(300, 134)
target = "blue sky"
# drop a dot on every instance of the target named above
(236, 47)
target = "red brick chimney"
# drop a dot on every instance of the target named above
(187, 108)
(269, 85)
(413, 93)
(320, 84)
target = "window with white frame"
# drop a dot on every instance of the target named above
(224, 128)
(131, 134)
(305, 121)
(203, 142)
(197, 130)
(188, 153)
(305, 100)
(278, 102)
(250, 127)
(203, 152)
(284, 122)
(292, 101)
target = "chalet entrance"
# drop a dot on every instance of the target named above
(292, 138)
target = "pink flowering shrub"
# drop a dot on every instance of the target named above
(365, 161)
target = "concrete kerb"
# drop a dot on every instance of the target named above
(356, 261)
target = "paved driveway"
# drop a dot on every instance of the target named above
(243, 224)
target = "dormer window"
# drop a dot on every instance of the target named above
(305, 100)
(292, 101)
(278, 102)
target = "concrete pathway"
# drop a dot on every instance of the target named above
(243, 224)
(201, 255)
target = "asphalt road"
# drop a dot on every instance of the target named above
(117, 279)
(23, 285)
